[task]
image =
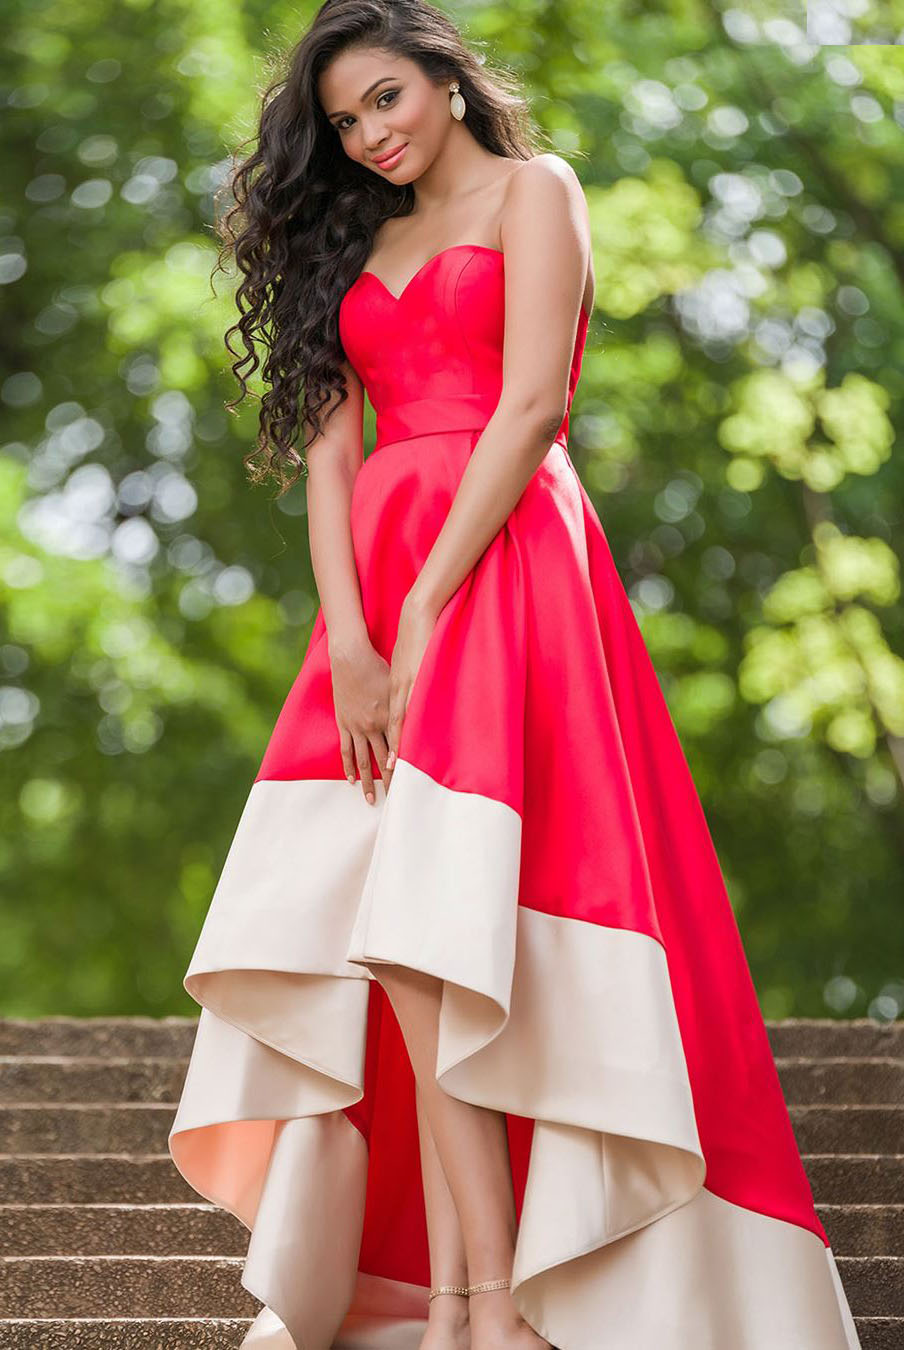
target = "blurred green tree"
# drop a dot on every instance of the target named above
(735, 421)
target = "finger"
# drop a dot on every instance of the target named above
(381, 750)
(392, 738)
(347, 752)
(397, 704)
(362, 750)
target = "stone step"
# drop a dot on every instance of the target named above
(172, 1037)
(121, 1230)
(139, 1333)
(864, 1230)
(124, 1128)
(144, 1128)
(203, 1229)
(107, 1178)
(67, 1078)
(878, 1333)
(163, 1037)
(873, 1081)
(829, 1038)
(874, 1284)
(119, 1079)
(128, 1286)
(209, 1286)
(207, 1333)
(855, 1179)
(848, 1129)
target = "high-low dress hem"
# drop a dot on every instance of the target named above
(568, 1025)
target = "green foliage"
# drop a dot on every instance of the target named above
(740, 399)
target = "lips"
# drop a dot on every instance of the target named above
(391, 156)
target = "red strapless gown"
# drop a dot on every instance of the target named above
(542, 849)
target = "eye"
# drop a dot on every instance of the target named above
(386, 93)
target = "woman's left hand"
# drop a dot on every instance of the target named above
(416, 624)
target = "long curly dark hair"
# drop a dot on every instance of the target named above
(304, 215)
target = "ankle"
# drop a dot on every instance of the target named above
(489, 1286)
(449, 1312)
(493, 1311)
(494, 1307)
(448, 1305)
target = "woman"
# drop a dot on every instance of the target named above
(475, 1033)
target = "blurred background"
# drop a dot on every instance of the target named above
(735, 425)
(842, 21)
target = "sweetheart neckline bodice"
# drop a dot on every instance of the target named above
(438, 344)
(434, 257)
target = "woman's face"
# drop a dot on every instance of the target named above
(378, 102)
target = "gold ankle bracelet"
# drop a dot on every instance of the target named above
(448, 1289)
(488, 1284)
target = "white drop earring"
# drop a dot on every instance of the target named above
(456, 102)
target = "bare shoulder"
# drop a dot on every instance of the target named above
(544, 204)
(542, 179)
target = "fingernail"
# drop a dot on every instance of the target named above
(369, 796)
(351, 777)
(390, 759)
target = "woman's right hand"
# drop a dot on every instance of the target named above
(360, 679)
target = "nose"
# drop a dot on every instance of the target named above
(374, 136)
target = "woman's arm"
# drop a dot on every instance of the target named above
(334, 459)
(359, 674)
(546, 241)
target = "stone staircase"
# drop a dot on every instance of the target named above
(104, 1244)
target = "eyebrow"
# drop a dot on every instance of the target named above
(369, 90)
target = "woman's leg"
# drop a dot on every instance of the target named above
(448, 1262)
(472, 1147)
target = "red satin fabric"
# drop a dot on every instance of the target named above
(536, 689)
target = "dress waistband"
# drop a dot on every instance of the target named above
(442, 412)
